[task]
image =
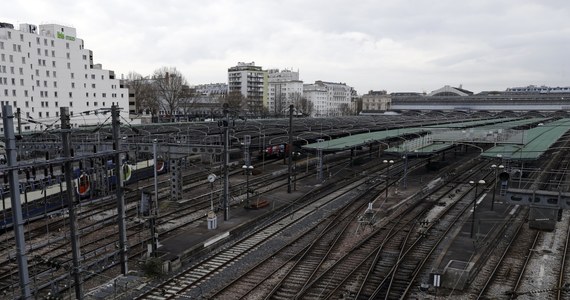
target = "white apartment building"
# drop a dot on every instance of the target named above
(327, 97)
(285, 89)
(45, 68)
(251, 81)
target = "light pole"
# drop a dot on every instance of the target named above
(389, 162)
(247, 169)
(476, 184)
(154, 210)
(495, 168)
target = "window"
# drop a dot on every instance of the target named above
(45, 83)
(53, 63)
(9, 35)
(3, 57)
(104, 96)
(56, 104)
(38, 40)
(94, 103)
(47, 114)
(54, 74)
(23, 60)
(40, 114)
(47, 73)
(92, 76)
(39, 51)
(46, 52)
(93, 85)
(13, 81)
(26, 94)
(66, 45)
(86, 95)
(21, 37)
(14, 94)
(27, 104)
(55, 94)
(84, 57)
(37, 83)
(45, 42)
(52, 44)
(55, 84)
(52, 53)
(21, 82)
(70, 104)
(37, 72)
(73, 85)
(87, 103)
(11, 58)
(67, 55)
(70, 96)
(21, 71)
(72, 75)
(69, 66)
(1, 45)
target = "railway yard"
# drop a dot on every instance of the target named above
(416, 206)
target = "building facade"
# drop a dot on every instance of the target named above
(328, 98)
(251, 81)
(376, 101)
(47, 67)
(285, 89)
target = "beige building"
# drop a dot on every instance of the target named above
(376, 101)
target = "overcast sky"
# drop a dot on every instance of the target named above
(396, 45)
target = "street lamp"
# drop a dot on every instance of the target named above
(495, 168)
(476, 184)
(247, 170)
(389, 162)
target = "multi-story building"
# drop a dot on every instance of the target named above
(251, 81)
(328, 98)
(208, 98)
(285, 89)
(376, 101)
(212, 89)
(539, 89)
(45, 68)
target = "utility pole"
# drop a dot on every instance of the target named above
(120, 194)
(226, 162)
(70, 192)
(16, 204)
(19, 114)
(290, 160)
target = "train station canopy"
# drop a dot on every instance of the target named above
(530, 144)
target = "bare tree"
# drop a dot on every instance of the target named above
(344, 109)
(306, 106)
(236, 102)
(280, 104)
(144, 92)
(171, 89)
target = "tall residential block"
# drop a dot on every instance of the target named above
(251, 81)
(47, 67)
